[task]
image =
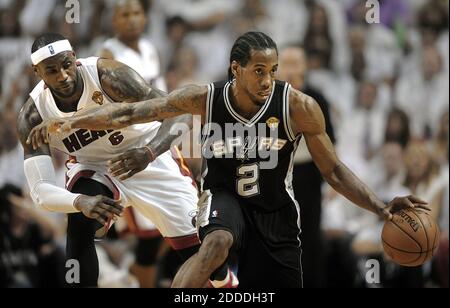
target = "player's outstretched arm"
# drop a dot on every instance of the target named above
(41, 177)
(307, 119)
(187, 100)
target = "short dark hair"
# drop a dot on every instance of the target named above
(45, 39)
(242, 48)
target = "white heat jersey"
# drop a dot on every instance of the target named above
(91, 147)
(146, 63)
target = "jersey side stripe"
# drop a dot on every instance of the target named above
(289, 190)
(209, 110)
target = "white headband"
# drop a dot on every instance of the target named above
(50, 50)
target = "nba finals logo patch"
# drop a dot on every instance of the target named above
(273, 123)
(97, 98)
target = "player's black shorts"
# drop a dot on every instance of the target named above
(267, 244)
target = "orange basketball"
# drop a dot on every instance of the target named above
(411, 238)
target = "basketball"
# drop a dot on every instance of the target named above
(411, 238)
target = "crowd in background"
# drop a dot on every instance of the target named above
(385, 84)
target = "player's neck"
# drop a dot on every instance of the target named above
(242, 103)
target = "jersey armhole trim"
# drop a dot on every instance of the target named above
(286, 114)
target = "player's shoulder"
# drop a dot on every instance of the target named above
(86, 62)
(302, 101)
(306, 112)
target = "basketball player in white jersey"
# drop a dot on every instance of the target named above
(160, 192)
(129, 47)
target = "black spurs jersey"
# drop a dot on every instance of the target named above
(252, 158)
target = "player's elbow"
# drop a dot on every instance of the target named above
(39, 202)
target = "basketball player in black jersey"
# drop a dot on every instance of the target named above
(244, 207)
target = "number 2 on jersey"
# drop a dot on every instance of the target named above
(247, 184)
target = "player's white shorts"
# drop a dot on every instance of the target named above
(134, 222)
(160, 193)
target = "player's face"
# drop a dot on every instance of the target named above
(60, 73)
(258, 76)
(130, 19)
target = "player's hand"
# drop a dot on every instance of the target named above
(100, 208)
(39, 135)
(132, 162)
(401, 203)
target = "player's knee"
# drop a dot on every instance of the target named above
(217, 245)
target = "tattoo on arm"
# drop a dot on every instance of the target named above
(164, 139)
(28, 118)
(123, 84)
(189, 100)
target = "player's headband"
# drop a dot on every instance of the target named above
(50, 50)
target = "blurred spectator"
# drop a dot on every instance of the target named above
(424, 95)
(398, 127)
(9, 21)
(423, 176)
(391, 178)
(383, 51)
(130, 47)
(11, 160)
(28, 255)
(177, 30)
(183, 70)
(318, 42)
(441, 140)
(307, 179)
(281, 15)
(33, 24)
(433, 20)
(361, 134)
(207, 19)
